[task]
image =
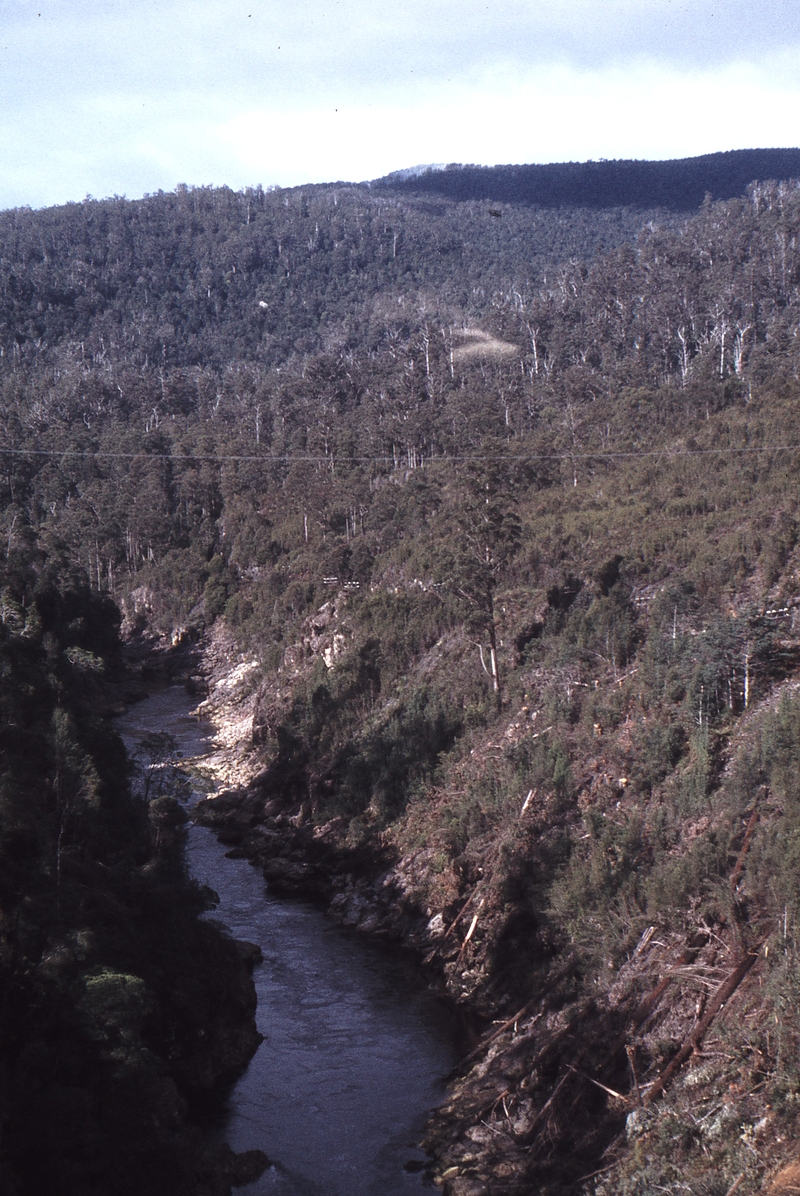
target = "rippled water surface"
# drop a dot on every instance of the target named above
(354, 1048)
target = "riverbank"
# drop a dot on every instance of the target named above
(379, 892)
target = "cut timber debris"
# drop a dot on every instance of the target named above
(650, 1003)
(482, 1046)
(459, 915)
(554, 980)
(692, 1042)
(472, 926)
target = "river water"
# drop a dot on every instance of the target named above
(354, 1048)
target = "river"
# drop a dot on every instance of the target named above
(354, 1048)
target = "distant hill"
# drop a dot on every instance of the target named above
(679, 185)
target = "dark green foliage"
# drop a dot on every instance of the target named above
(208, 276)
(607, 629)
(227, 480)
(217, 589)
(380, 770)
(601, 875)
(106, 975)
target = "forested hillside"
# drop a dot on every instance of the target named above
(206, 277)
(502, 502)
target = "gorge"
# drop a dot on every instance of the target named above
(468, 517)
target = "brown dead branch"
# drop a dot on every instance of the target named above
(501, 1097)
(482, 1046)
(459, 915)
(602, 1171)
(547, 1106)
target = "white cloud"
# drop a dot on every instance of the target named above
(132, 95)
(561, 114)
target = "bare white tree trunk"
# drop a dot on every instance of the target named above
(747, 676)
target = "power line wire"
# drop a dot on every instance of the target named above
(599, 454)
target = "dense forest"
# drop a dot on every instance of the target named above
(679, 185)
(501, 498)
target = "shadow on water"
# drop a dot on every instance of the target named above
(354, 1045)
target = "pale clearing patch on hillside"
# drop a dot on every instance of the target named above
(474, 342)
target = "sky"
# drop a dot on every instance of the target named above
(125, 97)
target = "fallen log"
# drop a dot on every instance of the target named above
(736, 875)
